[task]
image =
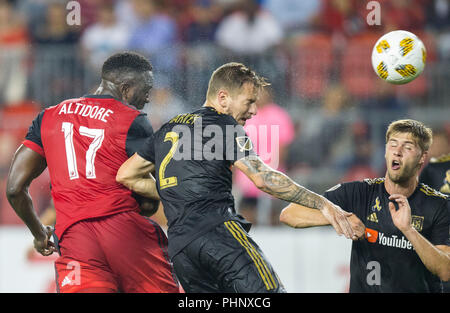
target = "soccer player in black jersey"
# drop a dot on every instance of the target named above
(406, 222)
(437, 175)
(194, 153)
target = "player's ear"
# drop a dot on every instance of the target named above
(125, 91)
(423, 158)
(222, 98)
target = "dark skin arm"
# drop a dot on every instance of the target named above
(26, 166)
(148, 206)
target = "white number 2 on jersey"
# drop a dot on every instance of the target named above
(96, 134)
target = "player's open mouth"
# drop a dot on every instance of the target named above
(395, 165)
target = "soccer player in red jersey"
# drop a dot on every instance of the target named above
(105, 245)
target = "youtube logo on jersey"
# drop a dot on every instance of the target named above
(371, 235)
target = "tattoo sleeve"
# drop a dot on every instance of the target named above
(278, 184)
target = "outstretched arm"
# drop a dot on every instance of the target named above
(282, 187)
(135, 174)
(299, 216)
(26, 166)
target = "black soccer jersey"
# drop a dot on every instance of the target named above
(385, 261)
(437, 174)
(194, 153)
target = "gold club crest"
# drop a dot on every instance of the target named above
(417, 222)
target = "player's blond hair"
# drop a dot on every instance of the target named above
(422, 134)
(231, 77)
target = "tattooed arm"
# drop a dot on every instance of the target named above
(278, 184)
(282, 187)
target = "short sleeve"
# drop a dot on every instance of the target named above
(147, 149)
(342, 195)
(440, 234)
(33, 139)
(138, 133)
(238, 144)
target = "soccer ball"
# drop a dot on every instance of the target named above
(398, 57)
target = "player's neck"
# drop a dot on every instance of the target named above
(217, 107)
(407, 188)
(108, 88)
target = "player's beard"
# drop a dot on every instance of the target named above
(404, 174)
(136, 102)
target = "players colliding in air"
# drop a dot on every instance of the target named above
(209, 243)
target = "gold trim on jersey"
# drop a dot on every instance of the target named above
(442, 158)
(263, 270)
(431, 192)
(372, 181)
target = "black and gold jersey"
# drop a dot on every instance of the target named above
(437, 174)
(385, 261)
(194, 154)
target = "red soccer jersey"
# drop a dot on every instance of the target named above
(84, 142)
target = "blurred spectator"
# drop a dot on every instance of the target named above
(249, 30)
(440, 145)
(56, 73)
(324, 130)
(293, 14)
(384, 98)
(104, 38)
(402, 14)
(164, 104)
(341, 17)
(438, 14)
(203, 20)
(198, 28)
(438, 19)
(90, 10)
(54, 29)
(271, 131)
(444, 46)
(156, 36)
(252, 36)
(33, 11)
(358, 164)
(13, 53)
(126, 14)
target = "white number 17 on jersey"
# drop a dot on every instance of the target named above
(97, 134)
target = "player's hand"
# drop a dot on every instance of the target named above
(338, 218)
(358, 227)
(45, 246)
(402, 216)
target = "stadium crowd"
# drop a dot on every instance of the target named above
(330, 107)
